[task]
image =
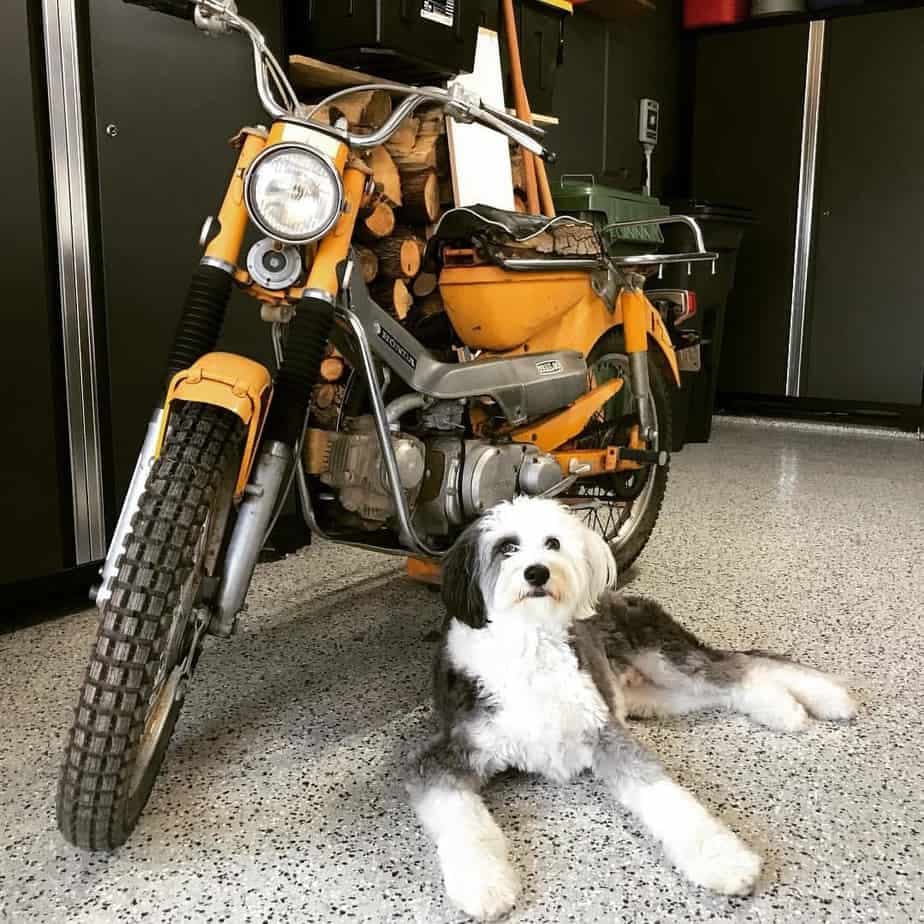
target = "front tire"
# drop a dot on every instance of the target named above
(134, 685)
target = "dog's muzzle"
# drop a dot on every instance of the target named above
(537, 577)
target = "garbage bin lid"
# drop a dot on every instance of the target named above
(719, 211)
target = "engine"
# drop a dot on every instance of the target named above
(466, 477)
(447, 478)
(350, 462)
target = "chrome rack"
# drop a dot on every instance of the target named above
(699, 255)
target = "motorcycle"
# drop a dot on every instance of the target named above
(547, 374)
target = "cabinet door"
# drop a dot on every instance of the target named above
(747, 135)
(866, 310)
(34, 495)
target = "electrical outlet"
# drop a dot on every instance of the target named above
(648, 119)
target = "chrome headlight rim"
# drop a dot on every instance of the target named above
(281, 148)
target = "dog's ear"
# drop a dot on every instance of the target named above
(601, 566)
(462, 580)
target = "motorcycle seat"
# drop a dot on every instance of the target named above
(491, 227)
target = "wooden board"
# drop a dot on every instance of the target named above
(480, 157)
(312, 75)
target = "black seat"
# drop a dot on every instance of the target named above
(491, 226)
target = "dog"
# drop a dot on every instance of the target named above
(541, 662)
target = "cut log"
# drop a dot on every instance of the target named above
(517, 169)
(325, 409)
(393, 296)
(399, 257)
(429, 152)
(332, 368)
(413, 234)
(368, 262)
(367, 108)
(424, 284)
(385, 173)
(432, 304)
(405, 136)
(519, 203)
(379, 223)
(324, 396)
(432, 120)
(421, 193)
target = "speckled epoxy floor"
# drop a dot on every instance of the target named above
(278, 801)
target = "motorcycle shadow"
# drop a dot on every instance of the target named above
(335, 666)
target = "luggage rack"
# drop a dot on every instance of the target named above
(700, 255)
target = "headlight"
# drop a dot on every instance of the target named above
(293, 193)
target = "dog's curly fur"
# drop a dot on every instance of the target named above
(539, 665)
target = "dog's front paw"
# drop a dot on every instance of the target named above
(478, 880)
(719, 860)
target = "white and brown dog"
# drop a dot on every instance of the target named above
(539, 664)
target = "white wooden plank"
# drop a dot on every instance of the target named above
(480, 157)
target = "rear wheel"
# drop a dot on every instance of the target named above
(623, 507)
(150, 631)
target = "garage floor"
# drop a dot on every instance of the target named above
(278, 800)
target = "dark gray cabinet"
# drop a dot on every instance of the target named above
(34, 483)
(863, 331)
(865, 317)
(746, 142)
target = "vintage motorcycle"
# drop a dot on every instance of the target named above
(547, 374)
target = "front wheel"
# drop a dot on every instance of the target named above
(623, 507)
(149, 633)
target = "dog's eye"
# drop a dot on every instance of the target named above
(552, 543)
(508, 548)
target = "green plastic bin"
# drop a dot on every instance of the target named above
(580, 195)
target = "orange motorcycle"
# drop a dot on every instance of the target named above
(548, 374)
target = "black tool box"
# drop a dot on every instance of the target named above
(415, 41)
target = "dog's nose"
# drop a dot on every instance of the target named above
(536, 575)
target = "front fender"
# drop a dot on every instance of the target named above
(238, 384)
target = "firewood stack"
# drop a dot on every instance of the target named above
(412, 187)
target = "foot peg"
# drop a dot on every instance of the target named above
(645, 456)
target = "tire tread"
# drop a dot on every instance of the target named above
(93, 804)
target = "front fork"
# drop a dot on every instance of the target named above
(198, 334)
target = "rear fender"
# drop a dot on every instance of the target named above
(582, 327)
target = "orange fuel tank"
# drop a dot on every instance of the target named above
(496, 309)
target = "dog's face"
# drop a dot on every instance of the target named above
(528, 558)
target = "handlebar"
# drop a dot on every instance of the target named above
(460, 105)
(279, 99)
